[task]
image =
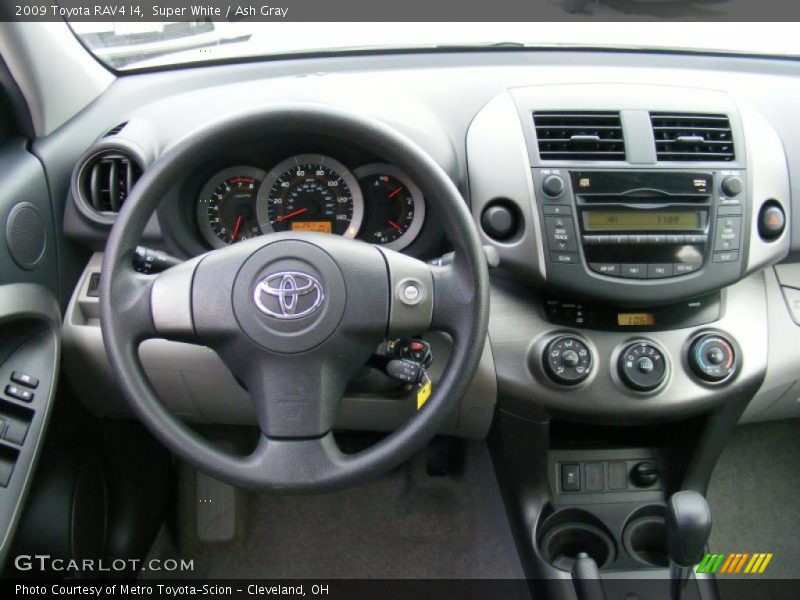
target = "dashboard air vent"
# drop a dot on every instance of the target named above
(579, 135)
(106, 179)
(692, 137)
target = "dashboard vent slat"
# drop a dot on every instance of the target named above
(692, 137)
(107, 179)
(116, 129)
(579, 135)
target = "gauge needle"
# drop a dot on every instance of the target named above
(236, 228)
(394, 192)
(294, 213)
(395, 226)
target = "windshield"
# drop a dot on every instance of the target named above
(147, 45)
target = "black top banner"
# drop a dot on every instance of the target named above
(405, 11)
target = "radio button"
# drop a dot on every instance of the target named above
(656, 239)
(696, 239)
(676, 238)
(561, 234)
(564, 258)
(638, 239)
(610, 269)
(728, 233)
(618, 239)
(687, 267)
(720, 257)
(657, 270)
(634, 271)
(729, 209)
(556, 209)
(592, 240)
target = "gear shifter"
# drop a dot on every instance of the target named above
(688, 525)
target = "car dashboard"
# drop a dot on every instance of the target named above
(637, 207)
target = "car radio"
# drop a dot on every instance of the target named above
(641, 226)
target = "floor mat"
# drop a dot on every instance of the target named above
(402, 525)
(755, 495)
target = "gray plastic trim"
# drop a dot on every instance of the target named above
(499, 169)
(768, 180)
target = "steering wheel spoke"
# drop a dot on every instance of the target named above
(171, 302)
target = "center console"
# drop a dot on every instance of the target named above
(629, 315)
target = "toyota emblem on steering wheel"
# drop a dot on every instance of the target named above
(288, 295)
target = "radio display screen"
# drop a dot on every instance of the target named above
(635, 319)
(642, 220)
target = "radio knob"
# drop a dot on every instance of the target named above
(731, 186)
(712, 358)
(553, 186)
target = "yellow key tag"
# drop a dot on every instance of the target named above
(424, 391)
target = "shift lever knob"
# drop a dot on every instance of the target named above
(688, 525)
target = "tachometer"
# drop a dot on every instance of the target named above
(226, 209)
(394, 209)
(310, 193)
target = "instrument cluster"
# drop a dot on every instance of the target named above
(376, 202)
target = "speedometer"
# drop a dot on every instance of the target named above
(310, 193)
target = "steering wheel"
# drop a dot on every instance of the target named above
(294, 315)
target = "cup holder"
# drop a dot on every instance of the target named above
(567, 533)
(644, 537)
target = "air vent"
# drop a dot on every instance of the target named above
(115, 130)
(106, 179)
(579, 135)
(692, 137)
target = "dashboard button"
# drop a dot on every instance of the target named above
(720, 257)
(553, 186)
(636, 240)
(676, 238)
(658, 270)
(618, 239)
(696, 239)
(561, 234)
(564, 258)
(731, 186)
(571, 478)
(728, 233)
(684, 268)
(729, 209)
(556, 209)
(610, 269)
(591, 240)
(634, 271)
(656, 238)
(771, 221)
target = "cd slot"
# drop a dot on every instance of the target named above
(640, 199)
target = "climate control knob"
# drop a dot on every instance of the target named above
(712, 358)
(642, 366)
(568, 360)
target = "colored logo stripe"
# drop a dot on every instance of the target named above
(734, 563)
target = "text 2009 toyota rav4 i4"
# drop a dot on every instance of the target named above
(505, 313)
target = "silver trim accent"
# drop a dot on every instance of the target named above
(314, 159)
(410, 234)
(288, 293)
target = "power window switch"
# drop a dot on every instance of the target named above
(25, 379)
(18, 393)
(571, 478)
